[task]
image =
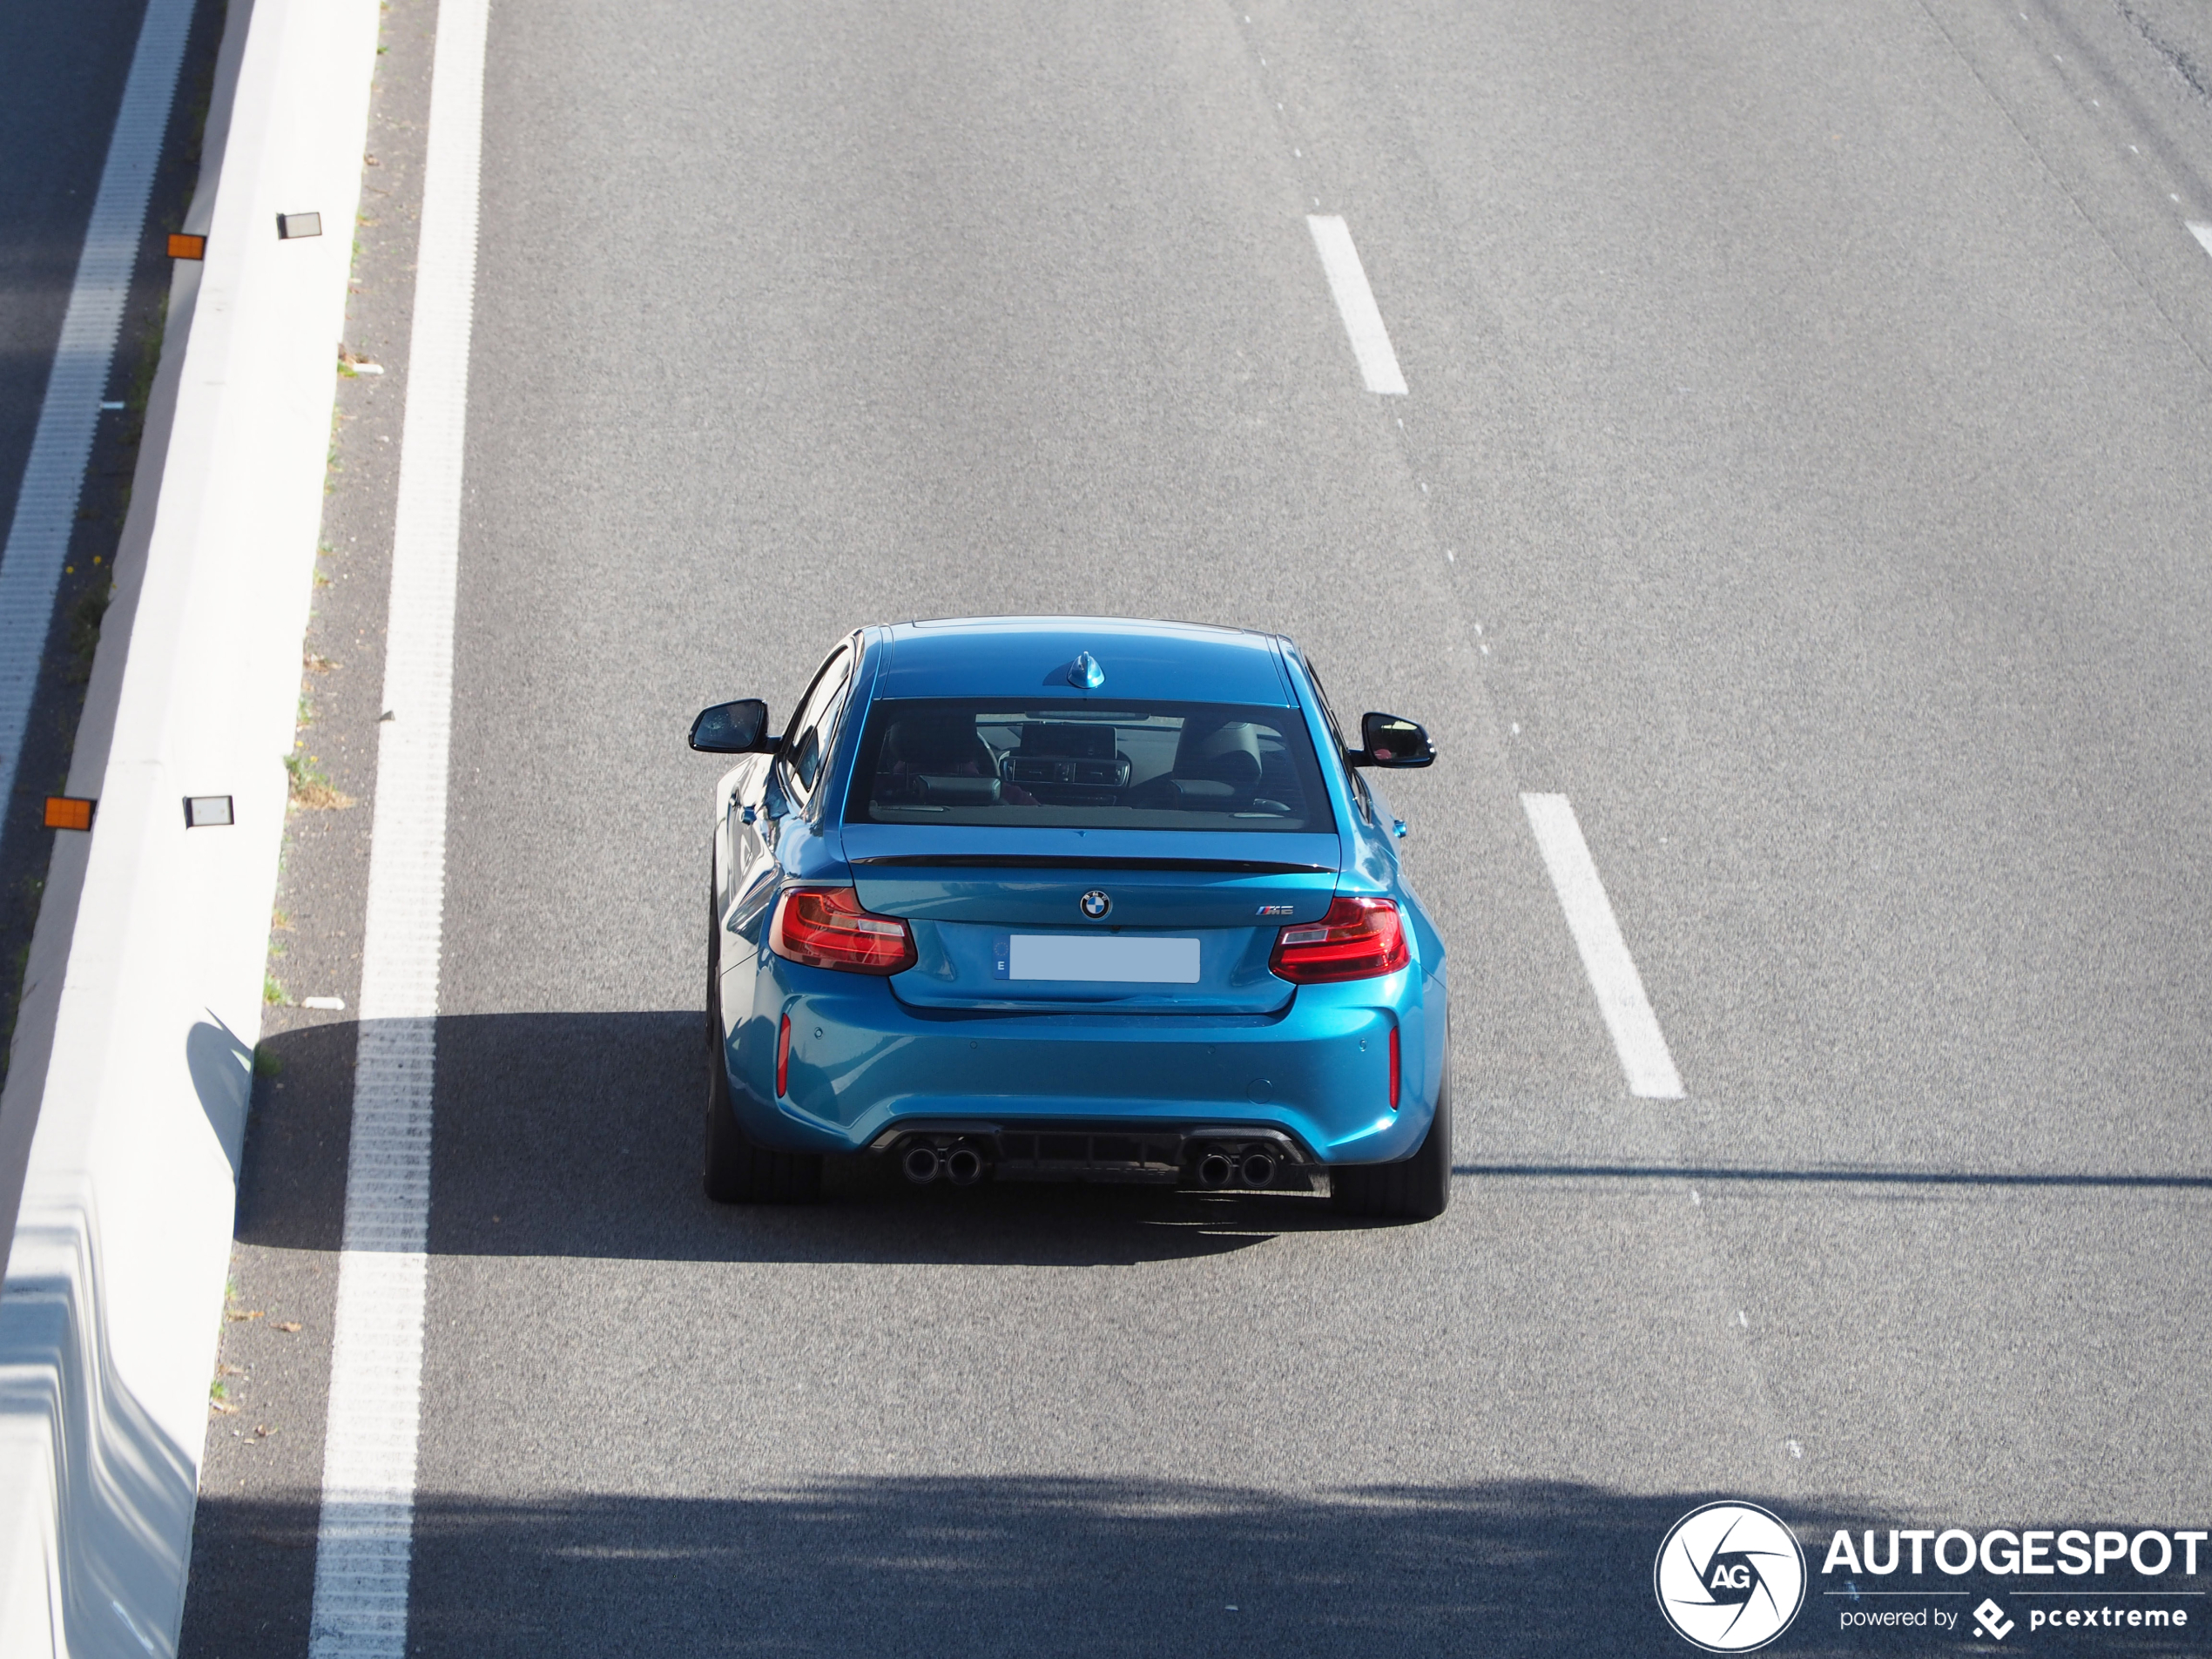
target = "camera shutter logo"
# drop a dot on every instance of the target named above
(1729, 1577)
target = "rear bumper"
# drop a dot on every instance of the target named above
(865, 1067)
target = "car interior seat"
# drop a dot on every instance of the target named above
(944, 758)
(1217, 769)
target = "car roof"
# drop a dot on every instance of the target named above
(1028, 657)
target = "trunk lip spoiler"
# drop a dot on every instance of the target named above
(1051, 861)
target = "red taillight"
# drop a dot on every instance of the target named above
(1394, 1069)
(1358, 939)
(825, 928)
(783, 1060)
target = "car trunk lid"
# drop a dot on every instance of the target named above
(1183, 923)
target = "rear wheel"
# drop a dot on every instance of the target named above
(1414, 1188)
(737, 1171)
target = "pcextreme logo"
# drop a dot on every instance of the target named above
(1729, 1577)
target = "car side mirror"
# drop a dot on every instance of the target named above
(1389, 741)
(734, 729)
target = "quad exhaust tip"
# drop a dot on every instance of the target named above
(1229, 1166)
(961, 1164)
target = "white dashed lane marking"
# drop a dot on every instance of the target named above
(1356, 304)
(2203, 234)
(1621, 999)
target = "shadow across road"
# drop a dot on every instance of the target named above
(1846, 1174)
(1025, 1565)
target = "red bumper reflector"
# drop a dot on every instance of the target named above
(783, 1058)
(1358, 939)
(827, 928)
(1393, 1068)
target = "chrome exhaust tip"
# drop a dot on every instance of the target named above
(1215, 1170)
(1258, 1169)
(921, 1165)
(963, 1166)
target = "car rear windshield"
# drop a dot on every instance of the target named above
(1143, 765)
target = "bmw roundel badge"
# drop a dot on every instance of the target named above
(1094, 904)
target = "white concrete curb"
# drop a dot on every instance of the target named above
(129, 1075)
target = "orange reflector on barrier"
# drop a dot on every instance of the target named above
(182, 247)
(67, 812)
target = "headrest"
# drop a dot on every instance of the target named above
(1229, 752)
(933, 739)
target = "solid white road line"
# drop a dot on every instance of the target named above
(1356, 304)
(1613, 974)
(2202, 232)
(365, 1547)
(53, 478)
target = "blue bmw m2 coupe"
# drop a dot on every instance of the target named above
(1070, 898)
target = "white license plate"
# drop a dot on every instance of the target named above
(1107, 958)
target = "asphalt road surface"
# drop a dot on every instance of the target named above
(1803, 470)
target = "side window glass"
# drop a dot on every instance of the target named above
(1328, 714)
(813, 743)
(815, 724)
(1360, 798)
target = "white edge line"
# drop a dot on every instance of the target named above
(364, 1546)
(2202, 232)
(1619, 988)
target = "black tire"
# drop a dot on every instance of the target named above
(1414, 1188)
(737, 1171)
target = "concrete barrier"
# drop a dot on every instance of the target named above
(124, 1109)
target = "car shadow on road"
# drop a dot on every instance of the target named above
(578, 1135)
